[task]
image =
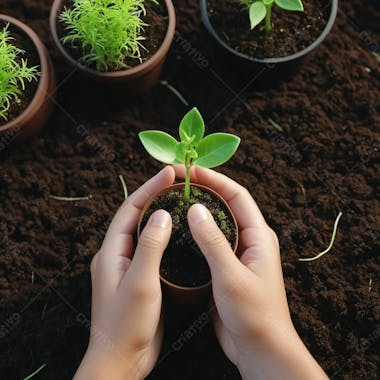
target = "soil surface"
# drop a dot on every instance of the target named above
(183, 263)
(323, 159)
(22, 41)
(154, 33)
(292, 31)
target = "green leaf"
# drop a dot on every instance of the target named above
(257, 13)
(191, 125)
(160, 146)
(180, 152)
(216, 149)
(290, 5)
(193, 154)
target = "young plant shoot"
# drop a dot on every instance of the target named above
(193, 148)
(14, 71)
(108, 32)
(262, 9)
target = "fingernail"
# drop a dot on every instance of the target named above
(160, 218)
(198, 213)
(165, 168)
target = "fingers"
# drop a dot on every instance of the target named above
(242, 204)
(150, 248)
(262, 253)
(212, 242)
(115, 255)
(118, 238)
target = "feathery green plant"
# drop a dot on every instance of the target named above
(262, 9)
(108, 31)
(14, 71)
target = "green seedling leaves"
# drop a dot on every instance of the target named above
(216, 149)
(257, 13)
(259, 10)
(161, 146)
(193, 149)
(290, 5)
(181, 152)
(192, 127)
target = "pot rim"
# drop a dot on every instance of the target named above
(213, 192)
(330, 22)
(134, 71)
(43, 85)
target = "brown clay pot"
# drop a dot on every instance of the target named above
(136, 80)
(181, 299)
(37, 113)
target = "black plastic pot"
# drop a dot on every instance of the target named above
(267, 70)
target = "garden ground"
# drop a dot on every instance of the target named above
(324, 159)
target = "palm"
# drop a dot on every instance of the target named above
(225, 339)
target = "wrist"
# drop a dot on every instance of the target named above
(281, 354)
(98, 364)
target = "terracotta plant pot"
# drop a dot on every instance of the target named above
(32, 119)
(136, 80)
(182, 299)
(267, 70)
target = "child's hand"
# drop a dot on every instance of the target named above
(126, 326)
(251, 315)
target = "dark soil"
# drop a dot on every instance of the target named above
(292, 31)
(183, 263)
(325, 160)
(154, 33)
(22, 41)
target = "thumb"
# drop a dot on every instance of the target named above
(151, 245)
(212, 241)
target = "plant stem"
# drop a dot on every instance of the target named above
(35, 372)
(124, 186)
(70, 199)
(174, 91)
(268, 18)
(187, 178)
(331, 242)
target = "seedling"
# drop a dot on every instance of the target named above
(193, 148)
(262, 9)
(108, 31)
(14, 71)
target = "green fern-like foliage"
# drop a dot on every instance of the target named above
(14, 71)
(107, 31)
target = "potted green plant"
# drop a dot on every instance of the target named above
(120, 43)
(185, 274)
(268, 36)
(27, 82)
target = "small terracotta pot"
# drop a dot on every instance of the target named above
(267, 70)
(181, 298)
(37, 113)
(136, 80)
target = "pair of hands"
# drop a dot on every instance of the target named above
(251, 317)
